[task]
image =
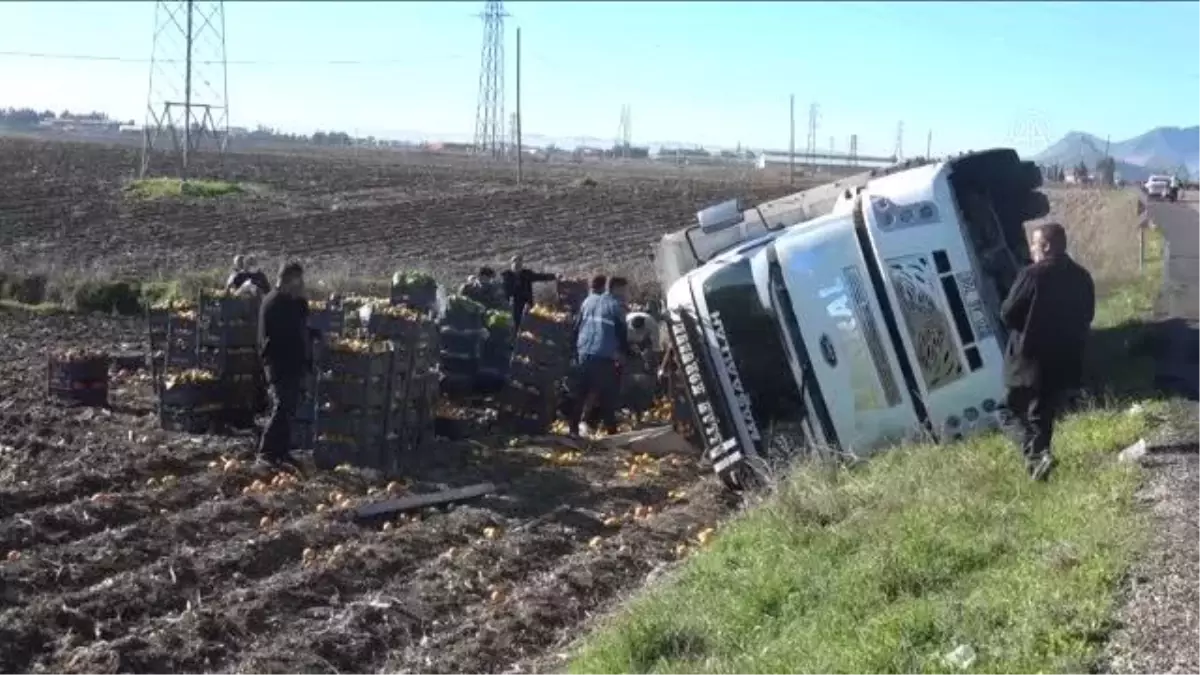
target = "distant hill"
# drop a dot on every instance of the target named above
(1158, 150)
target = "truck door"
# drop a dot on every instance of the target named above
(913, 230)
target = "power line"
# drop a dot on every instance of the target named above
(243, 62)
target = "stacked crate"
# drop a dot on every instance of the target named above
(415, 290)
(496, 351)
(462, 338)
(541, 358)
(229, 349)
(375, 395)
(354, 408)
(174, 340)
(190, 401)
(416, 344)
(327, 319)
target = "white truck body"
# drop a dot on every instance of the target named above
(871, 324)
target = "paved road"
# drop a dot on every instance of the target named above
(1180, 225)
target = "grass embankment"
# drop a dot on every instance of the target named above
(925, 559)
(174, 188)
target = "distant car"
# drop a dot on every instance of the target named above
(1158, 187)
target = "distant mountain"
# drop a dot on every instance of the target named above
(1164, 149)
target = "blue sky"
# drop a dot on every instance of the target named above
(977, 74)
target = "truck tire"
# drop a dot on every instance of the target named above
(1001, 170)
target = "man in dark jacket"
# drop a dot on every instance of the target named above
(1048, 314)
(601, 342)
(284, 341)
(518, 286)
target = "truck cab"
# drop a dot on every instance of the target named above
(874, 322)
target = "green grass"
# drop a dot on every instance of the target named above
(173, 188)
(41, 308)
(893, 565)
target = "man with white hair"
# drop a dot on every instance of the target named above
(247, 278)
(642, 331)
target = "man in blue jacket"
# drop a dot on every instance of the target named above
(600, 343)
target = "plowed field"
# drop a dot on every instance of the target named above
(62, 206)
(127, 548)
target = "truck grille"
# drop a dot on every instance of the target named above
(870, 330)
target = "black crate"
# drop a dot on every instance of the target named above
(344, 394)
(462, 342)
(329, 321)
(226, 360)
(193, 420)
(528, 408)
(221, 308)
(420, 298)
(377, 363)
(571, 293)
(547, 330)
(190, 395)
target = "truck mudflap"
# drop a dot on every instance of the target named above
(707, 400)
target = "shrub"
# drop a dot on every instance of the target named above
(25, 289)
(114, 297)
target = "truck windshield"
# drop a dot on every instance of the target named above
(755, 345)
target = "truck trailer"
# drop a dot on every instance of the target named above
(852, 316)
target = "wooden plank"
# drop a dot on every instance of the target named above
(416, 502)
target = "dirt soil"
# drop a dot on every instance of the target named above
(64, 206)
(127, 548)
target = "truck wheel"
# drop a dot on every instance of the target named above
(1001, 170)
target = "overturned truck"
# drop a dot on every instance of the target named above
(850, 316)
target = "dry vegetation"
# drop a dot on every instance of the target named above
(126, 548)
(1102, 229)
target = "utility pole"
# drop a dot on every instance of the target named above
(812, 135)
(199, 26)
(898, 152)
(520, 145)
(929, 145)
(792, 143)
(853, 149)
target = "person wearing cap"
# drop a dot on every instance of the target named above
(518, 283)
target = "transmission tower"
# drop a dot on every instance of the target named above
(811, 149)
(625, 131)
(489, 112)
(898, 153)
(188, 91)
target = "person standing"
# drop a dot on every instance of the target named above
(518, 286)
(1048, 313)
(600, 344)
(283, 337)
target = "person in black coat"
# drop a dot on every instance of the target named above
(284, 342)
(1048, 313)
(246, 269)
(518, 286)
